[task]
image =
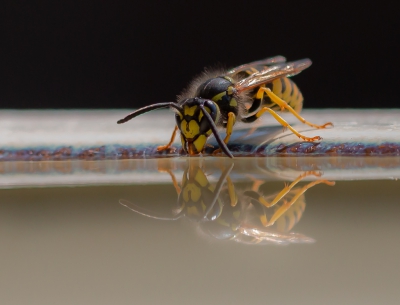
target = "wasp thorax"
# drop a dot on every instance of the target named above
(214, 87)
(220, 90)
(194, 125)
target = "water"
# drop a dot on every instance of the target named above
(81, 236)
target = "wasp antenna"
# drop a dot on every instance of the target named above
(215, 132)
(222, 179)
(218, 188)
(150, 108)
(144, 212)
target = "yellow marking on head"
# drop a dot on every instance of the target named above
(194, 127)
(190, 130)
(183, 125)
(201, 113)
(200, 142)
(189, 110)
(191, 192)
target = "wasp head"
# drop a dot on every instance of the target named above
(197, 122)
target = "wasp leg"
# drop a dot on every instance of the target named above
(281, 103)
(229, 128)
(279, 212)
(281, 121)
(165, 147)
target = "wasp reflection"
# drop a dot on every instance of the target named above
(246, 215)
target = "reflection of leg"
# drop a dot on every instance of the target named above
(256, 183)
(229, 129)
(287, 204)
(173, 178)
(165, 147)
(287, 189)
(281, 103)
(232, 193)
(256, 198)
(281, 121)
(292, 216)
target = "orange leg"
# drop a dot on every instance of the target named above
(229, 129)
(286, 124)
(165, 147)
(281, 103)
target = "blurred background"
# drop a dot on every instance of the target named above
(126, 54)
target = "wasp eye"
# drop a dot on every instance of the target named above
(212, 109)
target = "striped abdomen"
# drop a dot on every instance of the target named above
(287, 90)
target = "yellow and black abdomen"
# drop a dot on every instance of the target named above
(287, 90)
(284, 88)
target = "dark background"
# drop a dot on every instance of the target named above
(113, 54)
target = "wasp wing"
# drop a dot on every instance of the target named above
(259, 64)
(271, 73)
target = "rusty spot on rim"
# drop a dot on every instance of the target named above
(112, 152)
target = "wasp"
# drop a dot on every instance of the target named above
(220, 98)
(223, 212)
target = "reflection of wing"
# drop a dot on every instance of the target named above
(145, 212)
(262, 236)
(257, 64)
(271, 73)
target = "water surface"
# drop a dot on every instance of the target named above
(201, 232)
